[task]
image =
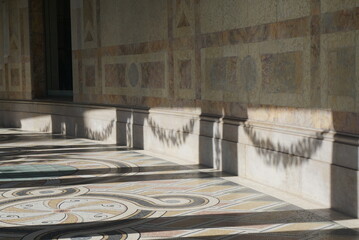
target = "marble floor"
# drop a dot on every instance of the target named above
(53, 187)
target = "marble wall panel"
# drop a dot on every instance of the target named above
(115, 75)
(14, 77)
(90, 82)
(339, 71)
(285, 71)
(184, 18)
(2, 35)
(76, 24)
(220, 73)
(357, 70)
(250, 76)
(76, 75)
(184, 74)
(14, 32)
(89, 20)
(2, 82)
(14, 50)
(282, 72)
(133, 74)
(342, 77)
(136, 75)
(90, 76)
(344, 20)
(153, 75)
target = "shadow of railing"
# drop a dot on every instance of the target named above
(171, 137)
(276, 154)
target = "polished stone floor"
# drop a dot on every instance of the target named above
(52, 187)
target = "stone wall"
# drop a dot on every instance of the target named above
(225, 57)
(266, 89)
(15, 72)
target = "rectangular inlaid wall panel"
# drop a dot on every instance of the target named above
(153, 74)
(115, 75)
(6, 28)
(342, 77)
(90, 76)
(133, 21)
(220, 73)
(2, 82)
(90, 83)
(339, 71)
(285, 70)
(89, 21)
(184, 74)
(357, 71)
(250, 76)
(75, 76)
(76, 24)
(282, 72)
(14, 32)
(26, 76)
(24, 30)
(184, 18)
(135, 75)
(15, 75)
(1, 34)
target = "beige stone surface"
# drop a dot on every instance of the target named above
(339, 75)
(139, 88)
(223, 15)
(336, 5)
(261, 11)
(300, 97)
(184, 74)
(290, 9)
(133, 21)
(184, 18)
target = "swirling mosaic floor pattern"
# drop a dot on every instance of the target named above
(57, 188)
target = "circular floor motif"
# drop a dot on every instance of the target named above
(63, 211)
(79, 216)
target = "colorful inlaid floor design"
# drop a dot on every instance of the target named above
(52, 187)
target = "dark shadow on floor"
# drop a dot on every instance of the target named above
(260, 220)
(107, 179)
(11, 171)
